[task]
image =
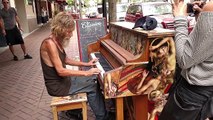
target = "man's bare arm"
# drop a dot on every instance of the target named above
(53, 54)
(75, 63)
(69, 61)
(19, 25)
(2, 26)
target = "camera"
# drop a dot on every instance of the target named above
(190, 8)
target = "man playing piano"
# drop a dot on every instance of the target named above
(61, 81)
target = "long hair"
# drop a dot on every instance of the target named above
(60, 24)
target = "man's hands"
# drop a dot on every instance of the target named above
(197, 6)
(21, 30)
(179, 8)
(92, 62)
(93, 71)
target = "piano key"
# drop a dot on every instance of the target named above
(104, 63)
(101, 64)
(98, 65)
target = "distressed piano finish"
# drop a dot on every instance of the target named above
(127, 51)
(135, 41)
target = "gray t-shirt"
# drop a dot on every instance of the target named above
(9, 17)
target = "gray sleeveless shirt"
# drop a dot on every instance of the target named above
(56, 85)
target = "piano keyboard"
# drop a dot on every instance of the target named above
(101, 64)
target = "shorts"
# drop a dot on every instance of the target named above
(3, 42)
(14, 37)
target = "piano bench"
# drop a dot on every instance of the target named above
(77, 101)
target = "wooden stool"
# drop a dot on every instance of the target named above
(69, 103)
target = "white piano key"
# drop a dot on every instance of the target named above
(98, 65)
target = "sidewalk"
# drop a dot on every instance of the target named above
(23, 95)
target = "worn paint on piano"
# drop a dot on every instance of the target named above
(122, 81)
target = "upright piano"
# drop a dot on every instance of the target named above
(123, 55)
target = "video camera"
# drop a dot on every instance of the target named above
(190, 7)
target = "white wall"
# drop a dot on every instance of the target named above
(21, 11)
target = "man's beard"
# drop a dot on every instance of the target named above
(65, 42)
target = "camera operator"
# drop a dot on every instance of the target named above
(193, 98)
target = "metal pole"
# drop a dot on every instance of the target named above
(80, 9)
(104, 8)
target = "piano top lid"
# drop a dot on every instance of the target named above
(157, 32)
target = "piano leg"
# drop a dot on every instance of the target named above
(141, 107)
(119, 109)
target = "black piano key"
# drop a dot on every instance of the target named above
(106, 66)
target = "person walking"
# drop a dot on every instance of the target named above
(44, 15)
(10, 30)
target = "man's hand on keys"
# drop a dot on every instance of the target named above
(94, 71)
(92, 62)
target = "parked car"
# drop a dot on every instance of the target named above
(121, 11)
(161, 11)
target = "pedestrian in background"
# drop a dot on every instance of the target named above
(192, 99)
(44, 15)
(10, 30)
(3, 42)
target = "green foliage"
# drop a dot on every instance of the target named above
(86, 2)
(70, 2)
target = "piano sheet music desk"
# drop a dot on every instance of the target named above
(129, 51)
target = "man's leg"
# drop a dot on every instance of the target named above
(97, 104)
(94, 95)
(26, 56)
(23, 48)
(12, 51)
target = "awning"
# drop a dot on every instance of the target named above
(57, 0)
(60, 0)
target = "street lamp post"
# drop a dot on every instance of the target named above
(104, 8)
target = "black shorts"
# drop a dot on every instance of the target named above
(3, 42)
(14, 37)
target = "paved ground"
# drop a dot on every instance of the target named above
(22, 92)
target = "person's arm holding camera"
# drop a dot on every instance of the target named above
(181, 29)
(189, 47)
(197, 7)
